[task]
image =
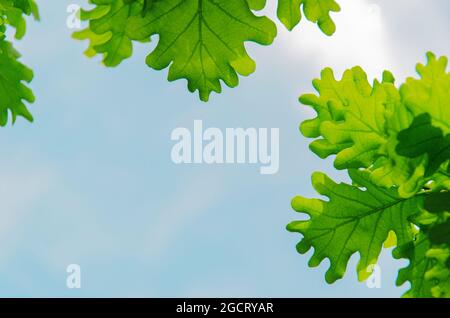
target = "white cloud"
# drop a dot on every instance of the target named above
(360, 39)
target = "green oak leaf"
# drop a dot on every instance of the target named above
(13, 92)
(317, 11)
(13, 12)
(199, 40)
(207, 43)
(389, 167)
(431, 93)
(353, 220)
(440, 272)
(419, 265)
(427, 271)
(360, 124)
(13, 74)
(108, 31)
(350, 117)
(439, 252)
(423, 138)
(398, 140)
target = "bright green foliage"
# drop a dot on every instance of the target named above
(109, 29)
(353, 220)
(423, 138)
(12, 89)
(431, 93)
(399, 142)
(415, 272)
(13, 74)
(351, 117)
(207, 43)
(317, 11)
(440, 272)
(202, 41)
(439, 236)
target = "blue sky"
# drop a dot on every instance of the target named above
(91, 181)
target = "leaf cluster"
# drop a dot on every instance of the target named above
(201, 41)
(395, 144)
(14, 94)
